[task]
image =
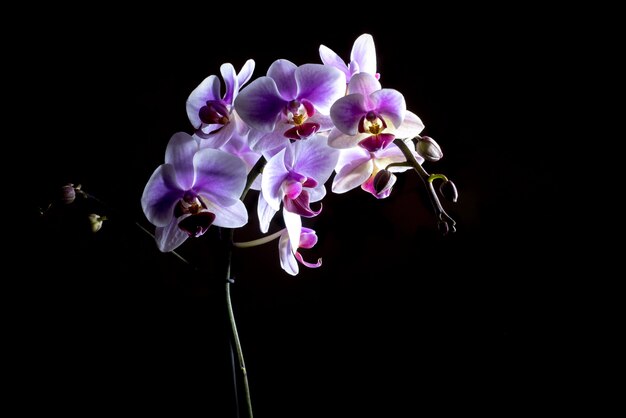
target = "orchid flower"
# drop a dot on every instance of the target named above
(362, 58)
(357, 166)
(371, 116)
(213, 115)
(295, 177)
(192, 190)
(289, 103)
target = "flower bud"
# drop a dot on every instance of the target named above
(95, 221)
(429, 149)
(448, 190)
(67, 194)
(383, 180)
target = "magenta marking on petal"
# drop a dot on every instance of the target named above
(197, 225)
(302, 131)
(308, 106)
(301, 206)
(377, 142)
(300, 178)
(309, 182)
(292, 189)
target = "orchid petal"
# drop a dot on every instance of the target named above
(306, 263)
(364, 53)
(245, 73)
(265, 213)
(179, 153)
(293, 223)
(288, 261)
(390, 103)
(260, 104)
(317, 193)
(324, 121)
(222, 136)
(347, 112)
(339, 140)
(365, 84)
(329, 57)
(233, 216)
(209, 89)
(352, 175)
(160, 195)
(411, 126)
(321, 85)
(314, 158)
(283, 73)
(221, 177)
(274, 173)
(169, 237)
(230, 80)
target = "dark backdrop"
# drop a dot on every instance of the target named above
(398, 320)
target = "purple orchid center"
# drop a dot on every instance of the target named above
(296, 199)
(373, 124)
(196, 225)
(200, 218)
(215, 112)
(297, 112)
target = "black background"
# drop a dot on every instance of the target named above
(397, 320)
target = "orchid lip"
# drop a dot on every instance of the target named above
(214, 112)
(375, 143)
(302, 131)
(197, 224)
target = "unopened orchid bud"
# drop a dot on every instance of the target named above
(67, 194)
(448, 190)
(383, 181)
(429, 149)
(95, 221)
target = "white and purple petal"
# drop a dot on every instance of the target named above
(364, 53)
(330, 58)
(260, 104)
(233, 216)
(288, 261)
(209, 89)
(220, 176)
(274, 174)
(390, 104)
(321, 85)
(265, 213)
(365, 84)
(245, 73)
(170, 236)
(230, 80)
(179, 153)
(347, 112)
(313, 158)
(411, 126)
(293, 223)
(352, 175)
(283, 73)
(160, 195)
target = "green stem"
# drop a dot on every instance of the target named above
(259, 241)
(233, 325)
(254, 172)
(444, 221)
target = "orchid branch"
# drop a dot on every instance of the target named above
(445, 223)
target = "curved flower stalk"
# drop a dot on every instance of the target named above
(192, 190)
(362, 58)
(290, 103)
(213, 115)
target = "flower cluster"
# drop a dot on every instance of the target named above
(285, 134)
